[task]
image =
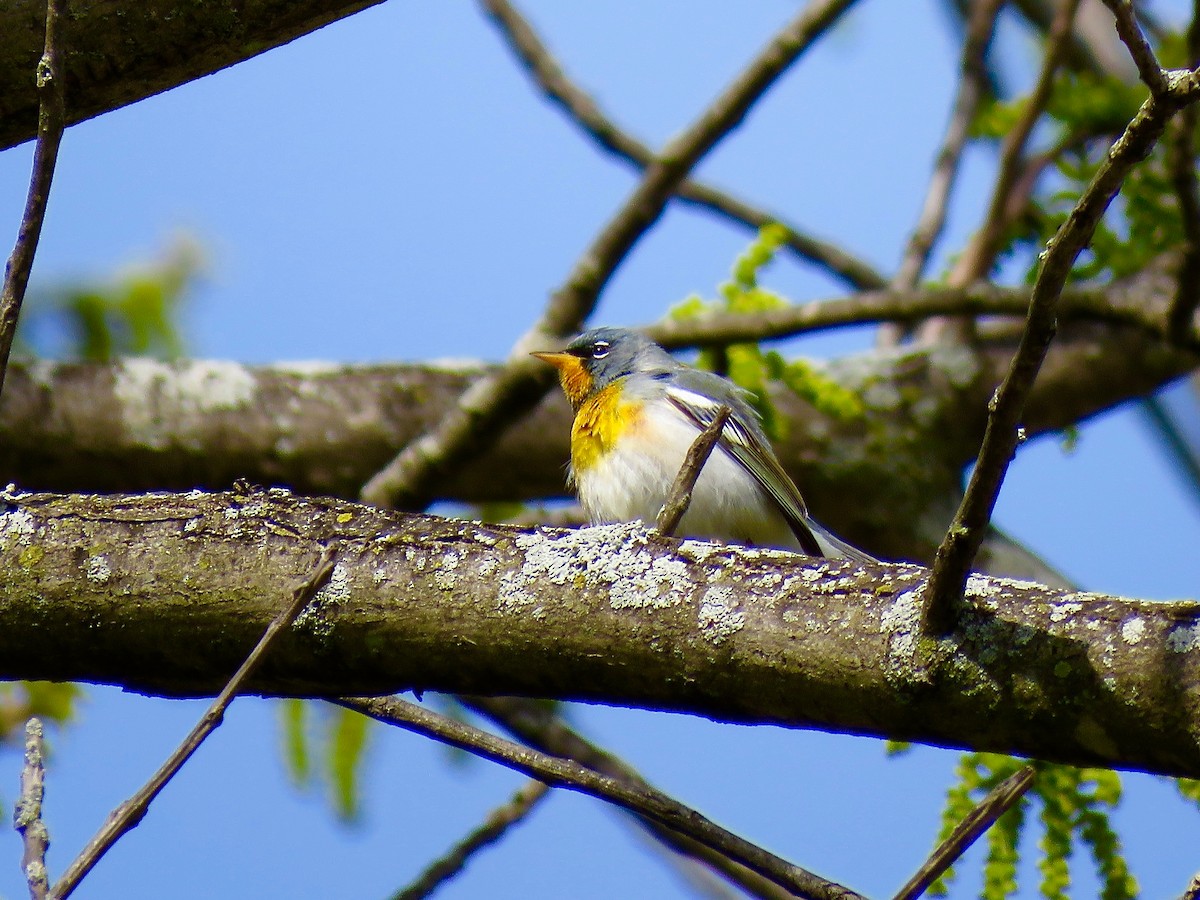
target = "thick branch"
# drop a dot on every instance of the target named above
(141, 425)
(1006, 409)
(166, 593)
(173, 42)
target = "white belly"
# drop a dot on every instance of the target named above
(632, 482)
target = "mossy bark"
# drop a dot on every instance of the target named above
(164, 593)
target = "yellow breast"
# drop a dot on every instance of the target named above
(599, 424)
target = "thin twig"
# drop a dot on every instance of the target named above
(1079, 303)
(998, 801)
(478, 419)
(27, 817)
(971, 86)
(1131, 35)
(127, 816)
(51, 118)
(540, 728)
(567, 774)
(1182, 162)
(977, 259)
(582, 109)
(961, 543)
(680, 497)
(497, 824)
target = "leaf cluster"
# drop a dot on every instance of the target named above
(748, 365)
(1075, 804)
(134, 314)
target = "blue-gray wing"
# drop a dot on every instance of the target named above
(699, 396)
(743, 441)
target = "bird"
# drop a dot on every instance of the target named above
(637, 412)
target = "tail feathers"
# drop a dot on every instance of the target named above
(835, 548)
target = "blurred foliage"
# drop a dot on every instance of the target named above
(342, 737)
(1074, 813)
(1189, 788)
(748, 365)
(134, 313)
(52, 702)
(1085, 113)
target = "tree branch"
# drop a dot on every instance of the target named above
(1148, 67)
(50, 85)
(1181, 161)
(740, 635)
(143, 425)
(1006, 204)
(412, 478)
(27, 816)
(998, 801)
(176, 42)
(680, 496)
(957, 551)
(583, 110)
(971, 86)
(541, 729)
(129, 814)
(567, 774)
(497, 824)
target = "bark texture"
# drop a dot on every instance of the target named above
(887, 480)
(121, 52)
(165, 593)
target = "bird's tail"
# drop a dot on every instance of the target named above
(834, 547)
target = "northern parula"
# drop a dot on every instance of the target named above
(638, 410)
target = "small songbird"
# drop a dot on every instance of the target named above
(637, 412)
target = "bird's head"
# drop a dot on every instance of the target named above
(598, 357)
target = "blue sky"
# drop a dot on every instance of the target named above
(391, 188)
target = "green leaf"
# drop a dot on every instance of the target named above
(1075, 804)
(347, 742)
(51, 701)
(1189, 788)
(825, 394)
(134, 313)
(296, 755)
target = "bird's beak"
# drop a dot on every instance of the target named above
(576, 382)
(556, 358)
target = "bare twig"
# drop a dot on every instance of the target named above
(497, 824)
(1182, 162)
(412, 477)
(1004, 207)
(1131, 35)
(962, 540)
(51, 116)
(998, 801)
(127, 816)
(27, 817)
(680, 497)
(979, 299)
(565, 773)
(540, 728)
(971, 86)
(582, 109)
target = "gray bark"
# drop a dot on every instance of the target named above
(164, 593)
(121, 52)
(888, 481)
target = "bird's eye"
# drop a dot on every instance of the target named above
(599, 349)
